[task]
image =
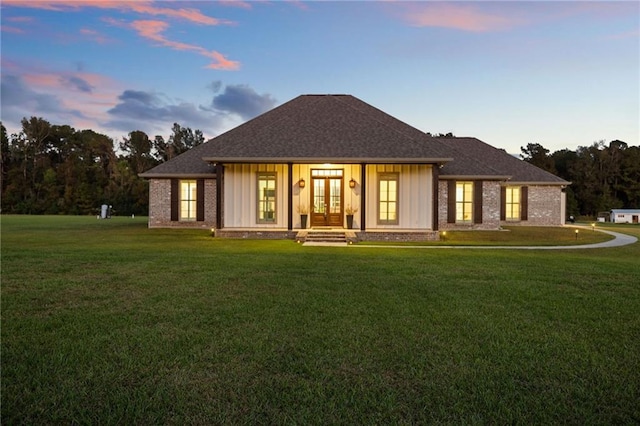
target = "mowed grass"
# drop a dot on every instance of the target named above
(107, 322)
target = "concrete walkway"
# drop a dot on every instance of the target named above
(618, 241)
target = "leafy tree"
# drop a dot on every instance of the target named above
(56, 169)
(160, 149)
(138, 159)
(138, 149)
(4, 157)
(182, 139)
(538, 155)
(630, 177)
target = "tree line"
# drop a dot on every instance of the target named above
(55, 169)
(603, 176)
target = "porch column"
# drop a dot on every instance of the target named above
(219, 173)
(290, 196)
(363, 196)
(435, 177)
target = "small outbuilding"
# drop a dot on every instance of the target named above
(625, 215)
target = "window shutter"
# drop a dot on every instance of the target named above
(477, 201)
(451, 201)
(175, 199)
(524, 203)
(503, 203)
(200, 200)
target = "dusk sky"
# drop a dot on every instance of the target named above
(561, 74)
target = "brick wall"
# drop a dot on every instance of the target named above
(490, 208)
(545, 203)
(160, 205)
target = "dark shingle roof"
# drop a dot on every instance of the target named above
(324, 128)
(187, 164)
(342, 128)
(472, 157)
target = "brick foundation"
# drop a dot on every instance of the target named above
(399, 236)
(256, 234)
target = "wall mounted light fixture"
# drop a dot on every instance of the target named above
(301, 183)
(352, 183)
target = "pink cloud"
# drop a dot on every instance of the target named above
(149, 29)
(236, 3)
(12, 30)
(456, 16)
(153, 30)
(16, 20)
(94, 35)
(625, 35)
(75, 98)
(300, 4)
(222, 63)
(25, 19)
(140, 6)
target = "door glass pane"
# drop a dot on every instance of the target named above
(335, 195)
(318, 196)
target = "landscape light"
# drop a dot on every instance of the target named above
(593, 226)
(577, 234)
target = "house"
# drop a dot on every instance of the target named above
(326, 155)
(625, 215)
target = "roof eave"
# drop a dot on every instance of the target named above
(177, 175)
(474, 177)
(540, 183)
(324, 160)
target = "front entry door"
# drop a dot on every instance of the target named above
(326, 196)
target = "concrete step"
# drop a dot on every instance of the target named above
(327, 237)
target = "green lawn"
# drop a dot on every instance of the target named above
(107, 322)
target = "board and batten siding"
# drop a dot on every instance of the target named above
(302, 196)
(241, 196)
(415, 183)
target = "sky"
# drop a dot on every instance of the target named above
(561, 74)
